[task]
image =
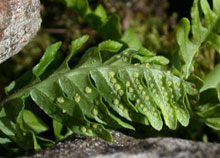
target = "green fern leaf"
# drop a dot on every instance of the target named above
(105, 90)
(201, 33)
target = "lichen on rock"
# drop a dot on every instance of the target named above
(128, 147)
(19, 22)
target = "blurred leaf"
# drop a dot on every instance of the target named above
(34, 123)
(75, 46)
(111, 29)
(212, 79)
(5, 141)
(146, 56)
(47, 58)
(109, 46)
(101, 12)
(213, 123)
(131, 39)
(201, 34)
(44, 143)
(94, 21)
(80, 6)
(57, 129)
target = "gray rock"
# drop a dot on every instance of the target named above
(19, 22)
(127, 147)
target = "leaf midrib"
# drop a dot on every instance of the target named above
(56, 76)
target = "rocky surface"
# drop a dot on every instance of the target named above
(19, 22)
(127, 147)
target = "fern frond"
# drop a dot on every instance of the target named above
(101, 92)
(202, 33)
